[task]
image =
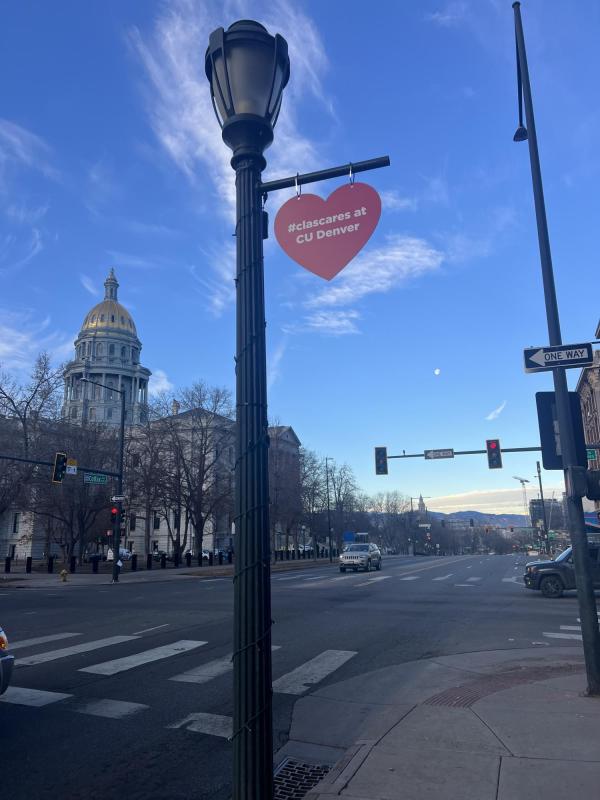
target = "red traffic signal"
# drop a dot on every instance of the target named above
(114, 513)
(494, 454)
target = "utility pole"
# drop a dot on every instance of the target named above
(576, 521)
(546, 532)
(328, 507)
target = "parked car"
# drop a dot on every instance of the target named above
(553, 577)
(360, 556)
(6, 662)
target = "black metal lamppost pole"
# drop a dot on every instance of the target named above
(248, 69)
(544, 517)
(328, 509)
(576, 520)
(119, 503)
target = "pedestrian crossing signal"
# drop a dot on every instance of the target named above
(60, 467)
(494, 453)
(381, 467)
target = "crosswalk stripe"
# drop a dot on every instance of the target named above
(211, 724)
(469, 580)
(570, 627)
(145, 657)
(212, 669)
(444, 577)
(576, 636)
(85, 647)
(111, 709)
(306, 675)
(31, 697)
(41, 640)
(411, 578)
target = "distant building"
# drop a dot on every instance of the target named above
(555, 518)
(588, 387)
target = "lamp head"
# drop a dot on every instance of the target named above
(247, 69)
(521, 134)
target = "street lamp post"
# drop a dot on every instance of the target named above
(328, 508)
(248, 69)
(119, 503)
(576, 521)
(544, 518)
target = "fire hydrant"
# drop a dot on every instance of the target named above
(63, 575)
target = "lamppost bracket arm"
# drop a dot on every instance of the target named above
(349, 169)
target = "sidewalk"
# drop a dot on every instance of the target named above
(498, 725)
(43, 580)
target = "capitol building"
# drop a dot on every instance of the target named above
(107, 351)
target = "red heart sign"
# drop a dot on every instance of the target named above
(324, 235)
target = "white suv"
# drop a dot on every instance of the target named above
(360, 556)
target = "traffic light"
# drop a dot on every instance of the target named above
(114, 514)
(60, 467)
(381, 467)
(494, 454)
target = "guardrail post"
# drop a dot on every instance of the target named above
(7, 564)
(220, 558)
(72, 564)
(134, 562)
(200, 558)
(230, 557)
(210, 559)
(50, 564)
(28, 563)
(163, 561)
(95, 566)
(149, 561)
(188, 559)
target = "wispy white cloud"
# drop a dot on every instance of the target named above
(380, 270)
(19, 146)
(148, 228)
(16, 252)
(23, 336)
(450, 16)
(216, 277)
(89, 285)
(331, 322)
(274, 362)
(24, 214)
(159, 382)
(496, 412)
(131, 260)
(393, 201)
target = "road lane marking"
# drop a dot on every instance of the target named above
(411, 578)
(473, 579)
(210, 724)
(86, 647)
(145, 657)
(570, 627)
(31, 697)
(155, 628)
(576, 636)
(111, 709)
(212, 669)
(41, 640)
(468, 585)
(513, 579)
(306, 675)
(444, 577)
(374, 580)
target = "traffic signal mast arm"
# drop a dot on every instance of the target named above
(51, 464)
(476, 452)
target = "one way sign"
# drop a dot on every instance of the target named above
(538, 359)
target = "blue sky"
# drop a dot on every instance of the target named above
(110, 156)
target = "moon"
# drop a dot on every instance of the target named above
(437, 371)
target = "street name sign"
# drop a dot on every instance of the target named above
(93, 477)
(71, 466)
(538, 359)
(449, 453)
(591, 454)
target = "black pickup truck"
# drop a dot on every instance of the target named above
(553, 577)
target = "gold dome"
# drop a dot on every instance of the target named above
(109, 314)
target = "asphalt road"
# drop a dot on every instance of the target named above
(132, 697)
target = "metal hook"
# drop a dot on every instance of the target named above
(298, 187)
(351, 176)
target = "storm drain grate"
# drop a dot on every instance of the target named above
(293, 779)
(468, 694)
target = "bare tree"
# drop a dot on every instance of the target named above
(344, 490)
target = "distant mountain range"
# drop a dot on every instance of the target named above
(501, 520)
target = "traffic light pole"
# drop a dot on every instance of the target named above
(576, 520)
(544, 518)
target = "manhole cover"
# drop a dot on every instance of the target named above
(293, 779)
(464, 696)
